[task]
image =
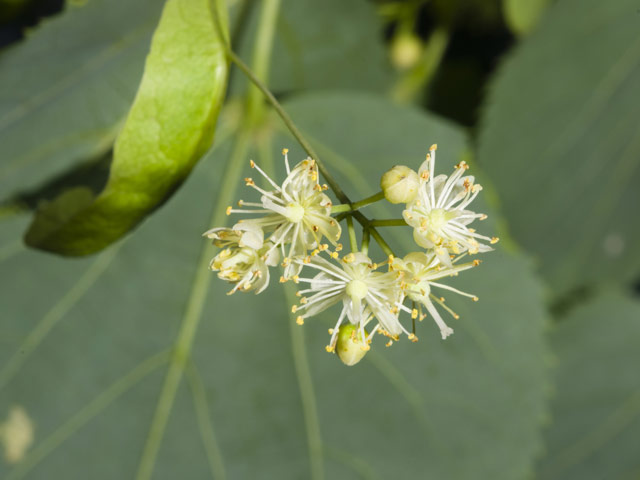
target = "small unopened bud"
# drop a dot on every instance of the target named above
(350, 346)
(400, 184)
(406, 49)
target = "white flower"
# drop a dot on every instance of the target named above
(245, 266)
(298, 213)
(364, 293)
(241, 234)
(418, 274)
(439, 214)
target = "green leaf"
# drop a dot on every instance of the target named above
(267, 403)
(323, 45)
(169, 127)
(65, 89)
(523, 15)
(596, 409)
(560, 142)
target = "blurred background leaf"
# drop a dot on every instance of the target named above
(66, 88)
(523, 15)
(596, 406)
(438, 409)
(560, 142)
(323, 45)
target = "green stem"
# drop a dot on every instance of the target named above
(342, 207)
(392, 222)
(353, 242)
(192, 316)
(368, 201)
(365, 241)
(408, 87)
(261, 54)
(383, 245)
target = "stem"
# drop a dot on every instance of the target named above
(192, 316)
(392, 222)
(353, 242)
(343, 207)
(368, 201)
(383, 245)
(408, 87)
(195, 305)
(365, 241)
(261, 55)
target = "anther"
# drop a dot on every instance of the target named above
(300, 320)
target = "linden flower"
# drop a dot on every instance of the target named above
(241, 234)
(298, 213)
(418, 273)
(247, 267)
(364, 292)
(439, 214)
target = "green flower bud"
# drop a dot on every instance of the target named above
(406, 49)
(400, 184)
(350, 347)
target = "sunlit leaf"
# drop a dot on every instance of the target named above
(560, 141)
(169, 127)
(596, 406)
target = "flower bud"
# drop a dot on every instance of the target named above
(406, 49)
(350, 346)
(400, 184)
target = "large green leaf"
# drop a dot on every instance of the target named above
(329, 44)
(67, 87)
(596, 409)
(169, 127)
(560, 141)
(279, 405)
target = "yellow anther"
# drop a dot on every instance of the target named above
(348, 258)
(494, 240)
(296, 278)
(331, 331)
(389, 343)
(414, 313)
(338, 247)
(300, 320)
(303, 300)
(252, 164)
(476, 263)
(294, 308)
(413, 337)
(229, 208)
(334, 255)
(365, 348)
(285, 151)
(283, 280)
(329, 348)
(475, 299)
(433, 147)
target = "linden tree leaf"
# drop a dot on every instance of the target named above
(559, 140)
(596, 406)
(66, 88)
(169, 127)
(87, 346)
(329, 44)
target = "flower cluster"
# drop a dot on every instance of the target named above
(290, 222)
